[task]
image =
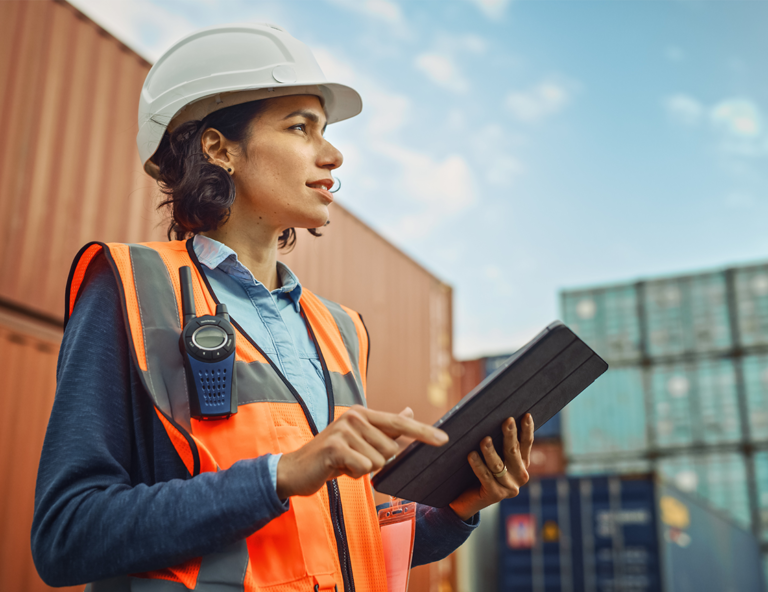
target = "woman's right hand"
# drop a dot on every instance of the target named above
(356, 443)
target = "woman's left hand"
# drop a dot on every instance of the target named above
(517, 458)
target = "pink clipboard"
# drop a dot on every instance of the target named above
(398, 530)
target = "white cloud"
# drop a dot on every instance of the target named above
(738, 121)
(739, 118)
(446, 185)
(539, 102)
(436, 189)
(145, 27)
(335, 70)
(441, 69)
(380, 9)
(493, 9)
(472, 43)
(684, 109)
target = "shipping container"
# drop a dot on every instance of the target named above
(29, 349)
(718, 477)
(755, 373)
(608, 465)
(687, 314)
(694, 403)
(611, 534)
(606, 319)
(751, 289)
(547, 458)
(69, 169)
(608, 417)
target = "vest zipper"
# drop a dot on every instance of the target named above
(334, 496)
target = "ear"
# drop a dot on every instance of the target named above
(215, 148)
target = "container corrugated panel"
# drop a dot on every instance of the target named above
(547, 459)
(552, 428)
(608, 417)
(695, 402)
(606, 319)
(719, 478)
(688, 314)
(607, 534)
(608, 466)
(596, 533)
(472, 373)
(755, 372)
(751, 285)
(27, 382)
(69, 169)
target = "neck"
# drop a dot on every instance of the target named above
(256, 249)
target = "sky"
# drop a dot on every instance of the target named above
(519, 148)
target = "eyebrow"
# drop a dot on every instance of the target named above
(306, 115)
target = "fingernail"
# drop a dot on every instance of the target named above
(441, 437)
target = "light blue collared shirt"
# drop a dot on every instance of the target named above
(272, 319)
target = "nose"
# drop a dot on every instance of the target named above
(329, 157)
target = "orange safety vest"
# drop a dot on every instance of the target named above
(326, 541)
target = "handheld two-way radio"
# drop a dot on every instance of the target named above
(207, 344)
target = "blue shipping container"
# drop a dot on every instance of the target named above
(551, 429)
(611, 534)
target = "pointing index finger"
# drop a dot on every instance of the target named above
(395, 426)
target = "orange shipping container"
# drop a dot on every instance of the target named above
(69, 174)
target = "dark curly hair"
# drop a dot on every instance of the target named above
(200, 193)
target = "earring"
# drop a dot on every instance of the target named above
(229, 170)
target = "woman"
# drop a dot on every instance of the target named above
(134, 491)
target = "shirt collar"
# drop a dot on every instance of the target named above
(214, 254)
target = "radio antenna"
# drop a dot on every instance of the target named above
(187, 295)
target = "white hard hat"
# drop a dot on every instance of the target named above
(228, 65)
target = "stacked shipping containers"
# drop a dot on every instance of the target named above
(69, 174)
(478, 558)
(687, 391)
(612, 534)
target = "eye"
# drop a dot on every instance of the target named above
(302, 127)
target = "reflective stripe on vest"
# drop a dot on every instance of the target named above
(301, 548)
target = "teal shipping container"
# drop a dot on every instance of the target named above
(687, 392)
(609, 417)
(687, 314)
(607, 319)
(751, 294)
(611, 534)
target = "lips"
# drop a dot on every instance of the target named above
(323, 186)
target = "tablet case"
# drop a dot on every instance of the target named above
(541, 378)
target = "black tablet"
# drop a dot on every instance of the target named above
(541, 378)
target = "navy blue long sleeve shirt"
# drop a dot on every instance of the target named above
(112, 495)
